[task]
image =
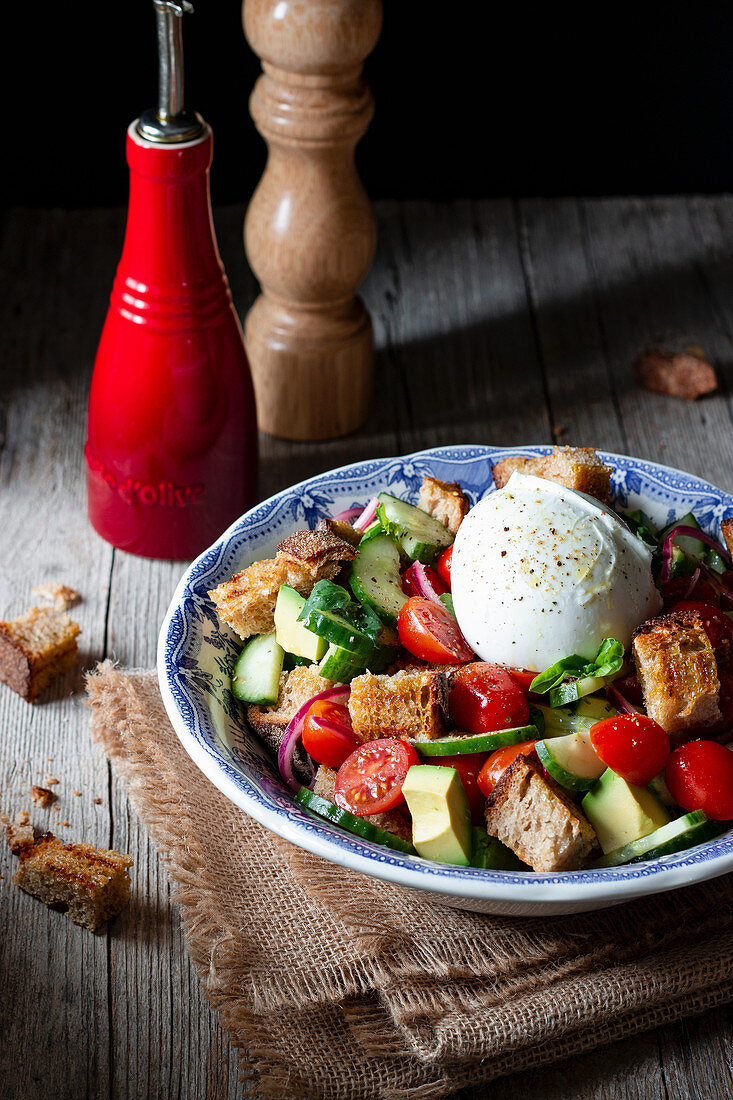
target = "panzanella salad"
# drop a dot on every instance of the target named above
(535, 683)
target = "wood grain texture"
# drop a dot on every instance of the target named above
(494, 322)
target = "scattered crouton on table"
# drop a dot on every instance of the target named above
(686, 374)
(35, 649)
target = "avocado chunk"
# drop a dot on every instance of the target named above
(441, 818)
(293, 636)
(621, 812)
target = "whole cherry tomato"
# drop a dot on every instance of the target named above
(429, 631)
(444, 564)
(327, 733)
(500, 760)
(468, 766)
(633, 745)
(700, 777)
(485, 697)
(370, 780)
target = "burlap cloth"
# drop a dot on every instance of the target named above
(335, 985)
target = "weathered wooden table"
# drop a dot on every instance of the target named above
(495, 322)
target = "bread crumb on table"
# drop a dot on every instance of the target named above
(51, 780)
(19, 831)
(43, 796)
(59, 595)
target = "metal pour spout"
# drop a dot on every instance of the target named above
(171, 123)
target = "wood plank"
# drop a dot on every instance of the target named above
(646, 260)
(579, 385)
(54, 989)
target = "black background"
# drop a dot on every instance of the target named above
(472, 99)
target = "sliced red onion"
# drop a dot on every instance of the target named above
(420, 578)
(693, 533)
(294, 732)
(348, 515)
(622, 703)
(367, 516)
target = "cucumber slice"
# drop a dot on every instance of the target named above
(490, 854)
(340, 665)
(375, 577)
(256, 671)
(683, 833)
(571, 692)
(571, 761)
(357, 825)
(476, 742)
(421, 536)
(336, 630)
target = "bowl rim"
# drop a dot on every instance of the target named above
(596, 887)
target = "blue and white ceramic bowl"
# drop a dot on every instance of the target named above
(195, 655)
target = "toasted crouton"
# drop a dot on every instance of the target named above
(395, 821)
(247, 600)
(93, 883)
(686, 374)
(577, 468)
(534, 817)
(445, 501)
(341, 530)
(676, 667)
(410, 704)
(270, 723)
(35, 649)
(727, 528)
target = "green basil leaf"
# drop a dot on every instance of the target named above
(607, 661)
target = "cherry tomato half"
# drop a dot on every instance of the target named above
(327, 733)
(410, 588)
(633, 745)
(700, 777)
(485, 697)
(429, 631)
(370, 779)
(468, 766)
(718, 626)
(499, 761)
(444, 564)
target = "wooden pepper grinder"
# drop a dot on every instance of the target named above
(309, 231)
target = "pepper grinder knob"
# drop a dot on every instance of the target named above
(171, 123)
